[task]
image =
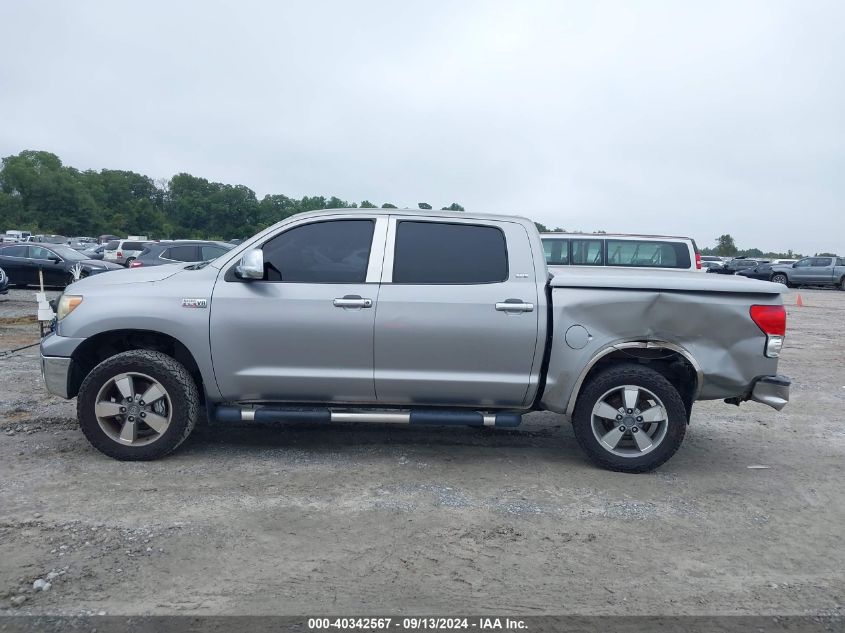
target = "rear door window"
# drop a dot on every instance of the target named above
(112, 246)
(821, 262)
(39, 252)
(556, 252)
(133, 246)
(185, 253)
(647, 253)
(13, 251)
(587, 253)
(442, 253)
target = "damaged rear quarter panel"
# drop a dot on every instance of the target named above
(714, 328)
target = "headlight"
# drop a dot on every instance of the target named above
(67, 304)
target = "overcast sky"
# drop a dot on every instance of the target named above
(692, 118)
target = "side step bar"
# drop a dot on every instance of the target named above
(455, 417)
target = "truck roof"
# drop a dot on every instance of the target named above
(426, 213)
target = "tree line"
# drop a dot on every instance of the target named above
(40, 194)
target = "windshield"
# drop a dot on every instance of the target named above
(66, 252)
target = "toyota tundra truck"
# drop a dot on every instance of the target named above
(403, 317)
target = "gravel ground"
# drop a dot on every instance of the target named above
(381, 519)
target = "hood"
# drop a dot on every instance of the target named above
(640, 279)
(93, 263)
(129, 275)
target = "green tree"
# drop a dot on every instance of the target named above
(366, 204)
(453, 207)
(541, 227)
(725, 246)
(387, 205)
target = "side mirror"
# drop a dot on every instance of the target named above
(251, 266)
(55, 260)
(795, 265)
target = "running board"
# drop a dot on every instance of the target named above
(454, 417)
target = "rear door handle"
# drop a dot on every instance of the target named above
(352, 301)
(514, 305)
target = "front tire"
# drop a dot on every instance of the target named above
(629, 418)
(138, 405)
(780, 278)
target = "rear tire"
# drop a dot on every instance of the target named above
(629, 433)
(128, 261)
(842, 284)
(105, 414)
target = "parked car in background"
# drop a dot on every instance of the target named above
(4, 282)
(123, 252)
(736, 264)
(56, 261)
(48, 239)
(181, 251)
(95, 251)
(712, 261)
(410, 318)
(810, 271)
(14, 235)
(630, 251)
(107, 238)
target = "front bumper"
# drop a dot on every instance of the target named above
(56, 373)
(772, 391)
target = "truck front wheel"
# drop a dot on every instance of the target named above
(780, 278)
(629, 418)
(138, 405)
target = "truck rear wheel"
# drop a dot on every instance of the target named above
(629, 418)
(138, 405)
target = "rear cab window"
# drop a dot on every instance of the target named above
(648, 254)
(587, 252)
(449, 253)
(556, 251)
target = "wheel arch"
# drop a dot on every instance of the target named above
(672, 361)
(104, 345)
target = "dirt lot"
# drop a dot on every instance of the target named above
(376, 519)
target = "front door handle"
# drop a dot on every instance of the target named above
(352, 301)
(514, 305)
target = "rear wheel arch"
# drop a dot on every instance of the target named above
(672, 361)
(100, 347)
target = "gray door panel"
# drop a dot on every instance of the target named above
(448, 344)
(289, 339)
(289, 342)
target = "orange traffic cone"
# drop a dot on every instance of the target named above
(799, 301)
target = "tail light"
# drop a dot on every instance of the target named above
(698, 261)
(119, 254)
(772, 321)
(135, 264)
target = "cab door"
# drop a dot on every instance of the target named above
(303, 333)
(801, 271)
(457, 319)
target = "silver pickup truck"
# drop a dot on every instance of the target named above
(407, 317)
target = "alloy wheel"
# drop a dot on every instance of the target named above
(629, 421)
(133, 409)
